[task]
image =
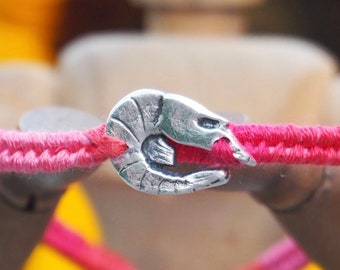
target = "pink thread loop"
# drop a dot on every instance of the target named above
(32, 152)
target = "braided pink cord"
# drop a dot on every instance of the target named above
(287, 144)
(31, 152)
(291, 144)
(85, 254)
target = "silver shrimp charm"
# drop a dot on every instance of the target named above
(144, 119)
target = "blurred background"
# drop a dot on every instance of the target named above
(274, 60)
(314, 20)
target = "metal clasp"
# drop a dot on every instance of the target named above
(144, 119)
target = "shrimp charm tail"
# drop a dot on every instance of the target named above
(144, 119)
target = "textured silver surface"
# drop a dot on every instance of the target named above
(144, 119)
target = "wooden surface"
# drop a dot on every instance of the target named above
(331, 108)
(270, 79)
(198, 3)
(223, 17)
(23, 87)
(195, 22)
(204, 230)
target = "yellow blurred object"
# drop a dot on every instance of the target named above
(76, 212)
(28, 29)
(18, 43)
(312, 266)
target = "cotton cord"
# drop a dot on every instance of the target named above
(87, 255)
(32, 152)
(284, 255)
(287, 144)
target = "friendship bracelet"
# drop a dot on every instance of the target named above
(33, 152)
(288, 144)
(149, 131)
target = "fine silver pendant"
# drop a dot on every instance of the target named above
(144, 119)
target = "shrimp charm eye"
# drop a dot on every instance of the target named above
(208, 123)
(144, 119)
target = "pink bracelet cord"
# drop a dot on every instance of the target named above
(86, 255)
(32, 152)
(287, 144)
(284, 255)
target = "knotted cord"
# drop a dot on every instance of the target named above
(287, 144)
(32, 152)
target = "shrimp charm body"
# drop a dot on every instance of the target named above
(144, 119)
